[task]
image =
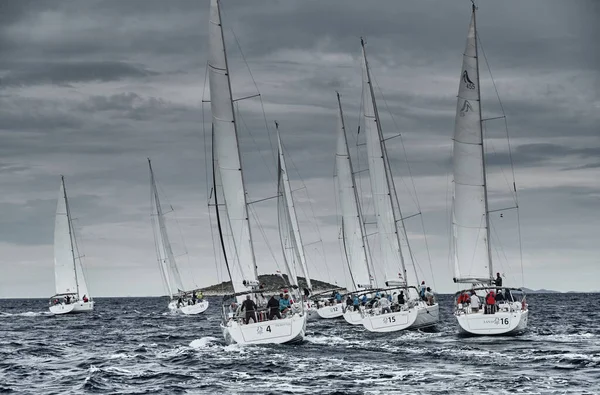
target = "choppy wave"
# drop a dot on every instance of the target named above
(118, 349)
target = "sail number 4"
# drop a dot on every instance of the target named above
(389, 320)
(260, 330)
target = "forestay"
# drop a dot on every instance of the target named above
(470, 228)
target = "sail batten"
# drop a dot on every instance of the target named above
(470, 227)
(227, 159)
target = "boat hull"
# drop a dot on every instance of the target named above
(286, 330)
(505, 323)
(328, 312)
(199, 307)
(420, 316)
(72, 308)
(353, 317)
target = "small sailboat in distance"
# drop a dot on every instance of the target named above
(476, 308)
(245, 319)
(188, 302)
(72, 295)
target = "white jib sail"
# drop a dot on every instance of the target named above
(355, 243)
(68, 273)
(390, 254)
(289, 231)
(469, 222)
(241, 261)
(164, 252)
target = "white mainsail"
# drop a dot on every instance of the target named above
(470, 227)
(68, 272)
(392, 260)
(289, 231)
(164, 252)
(353, 235)
(240, 258)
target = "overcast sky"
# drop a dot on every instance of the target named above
(89, 89)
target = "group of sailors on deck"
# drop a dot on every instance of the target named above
(492, 302)
(68, 299)
(189, 299)
(275, 308)
(387, 302)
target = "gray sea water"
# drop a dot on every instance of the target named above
(135, 346)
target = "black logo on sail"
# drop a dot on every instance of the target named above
(466, 107)
(467, 80)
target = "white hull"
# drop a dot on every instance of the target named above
(328, 312)
(353, 317)
(77, 307)
(499, 323)
(199, 307)
(420, 316)
(286, 330)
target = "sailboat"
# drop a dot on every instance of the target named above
(470, 219)
(179, 299)
(415, 312)
(355, 243)
(231, 206)
(289, 230)
(72, 295)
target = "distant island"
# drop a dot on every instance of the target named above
(271, 281)
(540, 291)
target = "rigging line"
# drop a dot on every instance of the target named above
(489, 143)
(501, 249)
(262, 106)
(249, 130)
(503, 114)
(414, 189)
(512, 166)
(316, 225)
(178, 226)
(264, 235)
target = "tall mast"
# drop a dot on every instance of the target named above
(70, 232)
(389, 178)
(365, 243)
(228, 158)
(485, 194)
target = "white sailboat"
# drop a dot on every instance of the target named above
(232, 211)
(355, 243)
(188, 302)
(289, 230)
(72, 295)
(470, 220)
(415, 312)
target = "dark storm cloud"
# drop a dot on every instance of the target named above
(63, 73)
(92, 88)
